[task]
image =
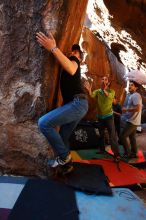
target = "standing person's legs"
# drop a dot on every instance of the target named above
(101, 136)
(127, 131)
(132, 138)
(118, 128)
(66, 114)
(112, 135)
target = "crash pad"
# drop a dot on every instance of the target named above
(88, 178)
(121, 174)
(124, 204)
(89, 154)
(141, 156)
(45, 199)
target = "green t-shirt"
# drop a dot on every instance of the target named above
(104, 103)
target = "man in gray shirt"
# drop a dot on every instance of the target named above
(132, 111)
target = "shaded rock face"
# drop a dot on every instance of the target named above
(20, 70)
(123, 29)
(100, 62)
(130, 15)
(29, 76)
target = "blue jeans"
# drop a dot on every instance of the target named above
(67, 117)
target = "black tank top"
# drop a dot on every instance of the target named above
(71, 84)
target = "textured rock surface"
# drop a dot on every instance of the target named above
(101, 61)
(130, 16)
(134, 23)
(29, 75)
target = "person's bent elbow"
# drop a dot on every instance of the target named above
(138, 108)
(72, 70)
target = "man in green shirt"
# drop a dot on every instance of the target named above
(104, 97)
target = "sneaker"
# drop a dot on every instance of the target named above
(65, 169)
(60, 161)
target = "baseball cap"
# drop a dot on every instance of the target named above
(77, 47)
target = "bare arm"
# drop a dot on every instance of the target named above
(88, 86)
(135, 109)
(106, 92)
(116, 113)
(49, 43)
(105, 89)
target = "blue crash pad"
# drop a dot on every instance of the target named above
(124, 204)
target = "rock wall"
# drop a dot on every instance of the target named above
(130, 15)
(100, 62)
(29, 76)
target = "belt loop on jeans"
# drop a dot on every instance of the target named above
(81, 96)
